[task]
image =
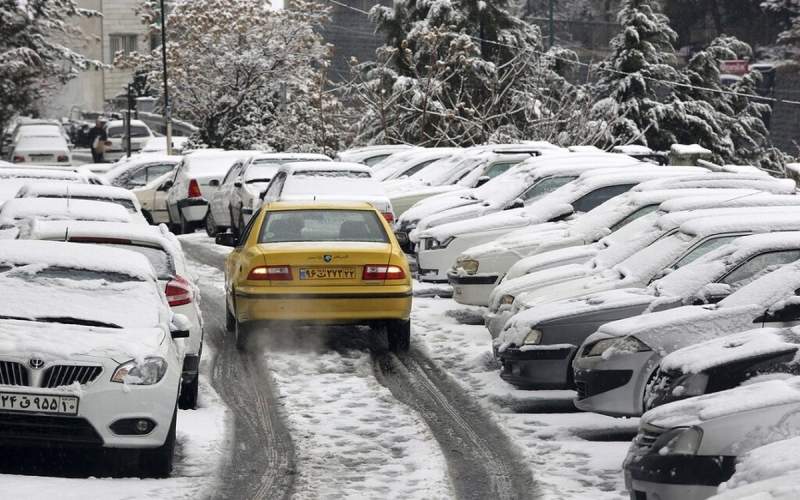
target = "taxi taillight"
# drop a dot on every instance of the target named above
(270, 273)
(382, 272)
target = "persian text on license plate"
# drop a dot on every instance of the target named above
(38, 403)
(328, 273)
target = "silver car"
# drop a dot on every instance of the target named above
(615, 364)
(555, 330)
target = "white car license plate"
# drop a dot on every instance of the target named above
(38, 403)
(328, 273)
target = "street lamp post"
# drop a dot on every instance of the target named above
(167, 111)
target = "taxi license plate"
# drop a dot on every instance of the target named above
(38, 403)
(328, 273)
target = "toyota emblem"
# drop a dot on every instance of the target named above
(36, 363)
(327, 258)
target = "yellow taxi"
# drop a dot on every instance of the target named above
(317, 263)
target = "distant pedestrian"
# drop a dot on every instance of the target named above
(97, 140)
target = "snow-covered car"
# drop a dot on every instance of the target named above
(520, 185)
(406, 163)
(685, 450)
(13, 179)
(17, 214)
(140, 170)
(116, 132)
(153, 198)
(478, 270)
(194, 182)
(163, 250)
(615, 364)
(471, 168)
(239, 193)
(370, 155)
(42, 146)
(158, 145)
(724, 363)
(77, 374)
(545, 273)
(439, 246)
(542, 358)
(110, 194)
(328, 181)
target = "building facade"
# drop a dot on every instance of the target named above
(118, 29)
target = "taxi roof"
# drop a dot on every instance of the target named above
(317, 205)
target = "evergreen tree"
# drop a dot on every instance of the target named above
(32, 54)
(789, 10)
(631, 103)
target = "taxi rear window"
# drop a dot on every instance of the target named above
(322, 225)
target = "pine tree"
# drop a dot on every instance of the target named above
(631, 104)
(789, 10)
(32, 54)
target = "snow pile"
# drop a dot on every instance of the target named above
(690, 149)
(62, 209)
(743, 345)
(771, 472)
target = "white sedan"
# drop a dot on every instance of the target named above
(109, 194)
(77, 374)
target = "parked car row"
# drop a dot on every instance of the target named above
(112, 353)
(651, 290)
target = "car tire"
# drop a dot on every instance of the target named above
(230, 319)
(211, 225)
(398, 335)
(157, 462)
(188, 397)
(242, 334)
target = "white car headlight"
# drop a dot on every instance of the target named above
(625, 344)
(434, 244)
(147, 372)
(679, 441)
(470, 266)
(534, 337)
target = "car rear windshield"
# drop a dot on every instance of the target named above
(35, 271)
(136, 131)
(128, 204)
(322, 225)
(159, 259)
(333, 173)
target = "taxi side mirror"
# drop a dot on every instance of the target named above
(227, 239)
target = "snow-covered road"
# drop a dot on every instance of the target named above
(353, 437)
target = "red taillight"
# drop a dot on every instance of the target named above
(178, 292)
(63, 158)
(194, 189)
(380, 272)
(19, 159)
(389, 216)
(271, 273)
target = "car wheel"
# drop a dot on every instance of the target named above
(158, 461)
(189, 390)
(398, 333)
(242, 333)
(230, 319)
(211, 224)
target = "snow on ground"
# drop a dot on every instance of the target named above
(202, 443)
(572, 454)
(352, 438)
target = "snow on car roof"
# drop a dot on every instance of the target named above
(156, 235)
(777, 220)
(40, 130)
(37, 143)
(696, 410)
(325, 166)
(214, 163)
(46, 189)
(757, 198)
(120, 123)
(74, 256)
(62, 208)
(290, 156)
(43, 173)
(742, 345)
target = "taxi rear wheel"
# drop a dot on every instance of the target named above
(230, 319)
(398, 334)
(242, 333)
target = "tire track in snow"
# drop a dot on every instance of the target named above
(481, 460)
(262, 462)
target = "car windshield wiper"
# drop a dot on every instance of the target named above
(68, 320)
(19, 318)
(253, 181)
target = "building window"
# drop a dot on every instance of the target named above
(124, 43)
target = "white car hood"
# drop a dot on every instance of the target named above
(436, 204)
(519, 287)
